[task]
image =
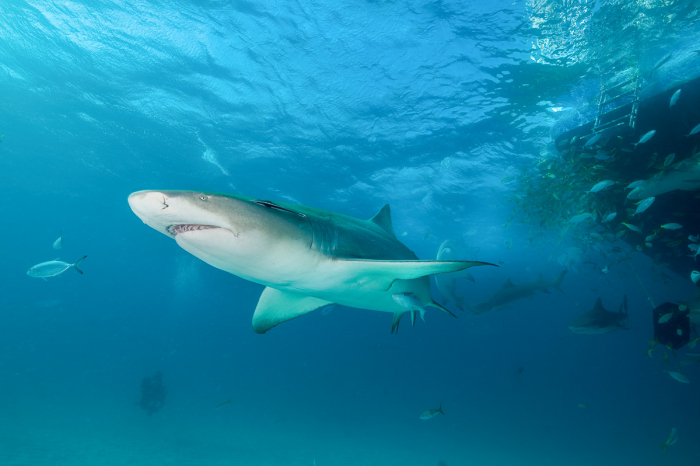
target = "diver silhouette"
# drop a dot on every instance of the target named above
(153, 393)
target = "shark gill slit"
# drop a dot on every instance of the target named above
(323, 239)
(181, 228)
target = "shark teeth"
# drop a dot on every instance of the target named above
(182, 228)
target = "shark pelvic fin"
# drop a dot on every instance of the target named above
(443, 309)
(383, 220)
(275, 307)
(396, 321)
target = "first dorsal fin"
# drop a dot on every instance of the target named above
(383, 220)
(598, 305)
(508, 284)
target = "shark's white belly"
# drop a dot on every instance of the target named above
(303, 271)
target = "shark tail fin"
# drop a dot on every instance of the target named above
(442, 308)
(556, 283)
(440, 409)
(75, 266)
(395, 322)
(662, 445)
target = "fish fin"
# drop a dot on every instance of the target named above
(44, 278)
(507, 284)
(599, 305)
(276, 306)
(75, 266)
(422, 314)
(556, 284)
(383, 220)
(396, 321)
(413, 318)
(381, 274)
(434, 304)
(440, 409)
(623, 306)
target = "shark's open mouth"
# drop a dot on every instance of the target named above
(182, 228)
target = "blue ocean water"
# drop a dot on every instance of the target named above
(439, 109)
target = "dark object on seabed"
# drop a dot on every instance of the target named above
(676, 330)
(153, 393)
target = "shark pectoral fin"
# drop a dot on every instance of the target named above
(275, 307)
(381, 274)
(413, 318)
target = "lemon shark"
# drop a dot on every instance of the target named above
(684, 175)
(599, 320)
(510, 292)
(306, 258)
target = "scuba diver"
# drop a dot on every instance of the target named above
(153, 393)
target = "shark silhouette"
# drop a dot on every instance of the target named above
(306, 258)
(510, 292)
(684, 175)
(598, 320)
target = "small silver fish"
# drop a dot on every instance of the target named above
(58, 244)
(592, 140)
(53, 268)
(644, 205)
(678, 376)
(665, 318)
(601, 186)
(411, 303)
(609, 217)
(431, 413)
(646, 137)
(674, 98)
(695, 130)
(634, 184)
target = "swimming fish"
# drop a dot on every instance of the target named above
(665, 318)
(631, 227)
(224, 403)
(645, 138)
(674, 98)
(693, 131)
(53, 268)
(634, 184)
(644, 205)
(58, 244)
(592, 140)
(411, 303)
(672, 226)
(672, 439)
(678, 376)
(431, 413)
(601, 186)
(609, 217)
(579, 218)
(583, 405)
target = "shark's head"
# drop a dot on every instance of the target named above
(230, 232)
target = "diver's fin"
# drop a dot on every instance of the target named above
(434, 304)
(275, 307)
(396, 321)
(381, 274)
(75, 266)
(413, 318)
(383, 220)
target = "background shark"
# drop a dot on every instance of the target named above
(684, 175)
(307, 258)
(510, 292)
(447, 282)
(599, 321)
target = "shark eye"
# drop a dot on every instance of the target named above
(204, 197)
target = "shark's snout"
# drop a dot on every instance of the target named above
(147, 204)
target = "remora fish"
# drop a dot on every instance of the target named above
(510, 292)
(306, 257)
(599, 320)
(683, 176)
(53, 268)
(447, 283)
(431, 413)
(411, 303)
